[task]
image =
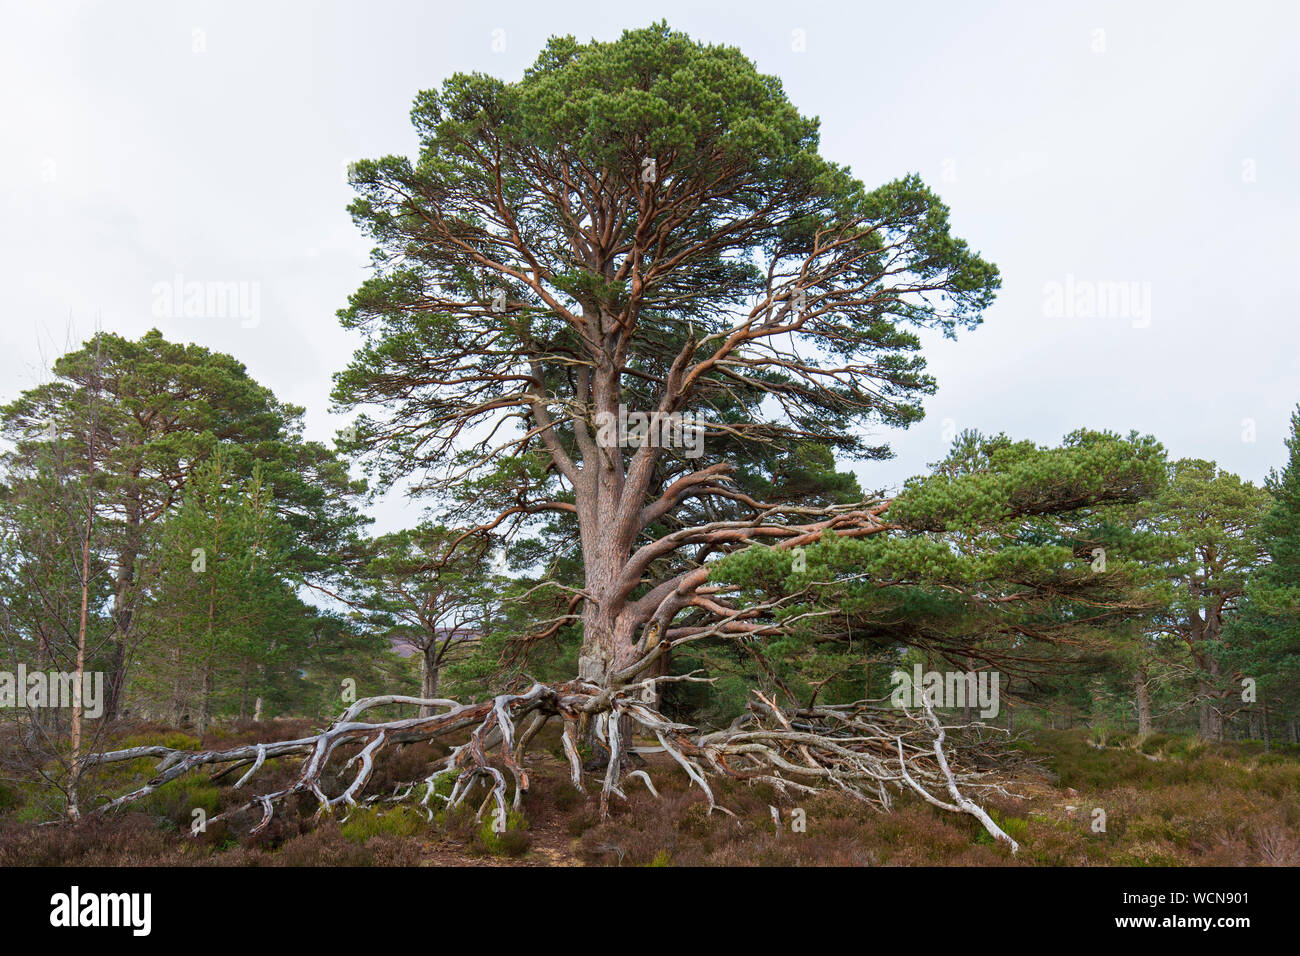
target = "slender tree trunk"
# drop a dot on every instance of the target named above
(1143, 695)
(74, 782)
(1209, 628)
(178, 689)
(38, 725)
(1211, 715)
(116, 678)
(205, 704)
(429, 668)
(123, 603)
(209, 666)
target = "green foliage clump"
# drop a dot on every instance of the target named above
(401, 821)
(174, 802)
(9, 798)
(1015, 827)
(514, 841)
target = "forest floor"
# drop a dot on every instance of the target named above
(1168, 801)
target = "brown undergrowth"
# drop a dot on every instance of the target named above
(1160, 802)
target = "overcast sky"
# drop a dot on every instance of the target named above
(1141, 156)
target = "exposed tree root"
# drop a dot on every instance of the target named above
(863, 750)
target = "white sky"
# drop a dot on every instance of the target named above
(1159, 151)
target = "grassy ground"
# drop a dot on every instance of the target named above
(1168, 801)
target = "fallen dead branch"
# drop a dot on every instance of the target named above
(864, 750)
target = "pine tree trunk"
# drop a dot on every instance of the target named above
(1143, 696)
(429, 678)
(205, 706)
(74, 781)
(123, 616)
(37, 727)
(1011, 710)
(178, 703)
(1211, 716)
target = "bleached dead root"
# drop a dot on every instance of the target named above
(863, 750)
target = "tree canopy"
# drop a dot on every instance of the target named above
(645, 224)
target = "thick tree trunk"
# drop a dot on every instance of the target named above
(610, 502)
(611, 497)
(608, 645)
(597, 645)
(607, 648)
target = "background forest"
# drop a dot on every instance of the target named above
(163, 517)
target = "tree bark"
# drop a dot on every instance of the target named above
(123, 608)
(74, 781)
(205, 706)
(1143, 696)
(1211, 717)
(429, 667)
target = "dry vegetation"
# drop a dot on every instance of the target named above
(1169, 801)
